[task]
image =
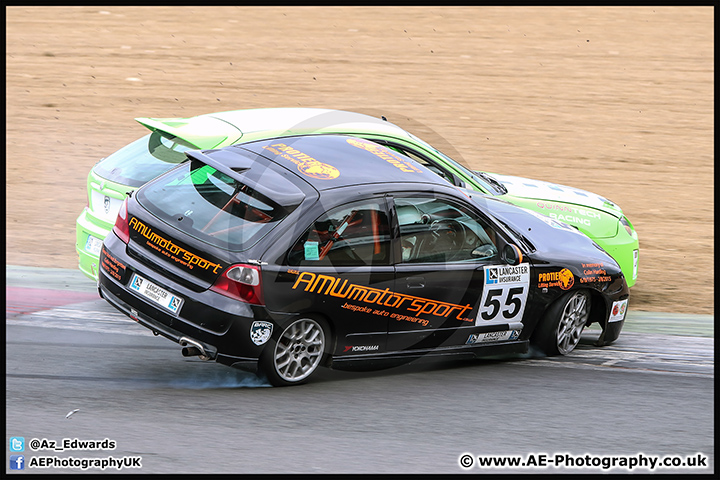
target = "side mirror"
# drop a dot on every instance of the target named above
(484, 252)
(512, 254)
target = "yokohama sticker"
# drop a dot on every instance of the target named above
(504, 294)
(260, 332)
(361, 348)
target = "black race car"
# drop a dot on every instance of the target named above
(288, 254)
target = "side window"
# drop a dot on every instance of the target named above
(438, 230)
(351, 235)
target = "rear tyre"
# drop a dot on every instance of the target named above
(560, 329)
(296, 354)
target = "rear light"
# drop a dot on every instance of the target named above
(241, 282)
(121, 228)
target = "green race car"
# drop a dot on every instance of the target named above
(164, 147)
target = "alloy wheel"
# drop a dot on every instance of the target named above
(299, 350)
(572, 322)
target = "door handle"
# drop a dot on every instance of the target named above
(415, 282)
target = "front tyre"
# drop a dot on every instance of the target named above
(296, 354)
(563, 323)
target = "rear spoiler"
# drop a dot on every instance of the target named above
(204, 131)
(262, 179)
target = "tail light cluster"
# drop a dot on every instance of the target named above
(121, 228)
(241, 282)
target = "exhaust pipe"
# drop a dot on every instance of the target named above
(192, 348)
(190, 352)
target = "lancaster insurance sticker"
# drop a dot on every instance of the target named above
(504, 294)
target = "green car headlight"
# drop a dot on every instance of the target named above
(628, 226)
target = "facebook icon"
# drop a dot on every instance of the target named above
(17, 462)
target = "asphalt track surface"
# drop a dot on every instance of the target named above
(649, 395)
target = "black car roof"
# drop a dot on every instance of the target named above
(332, 161)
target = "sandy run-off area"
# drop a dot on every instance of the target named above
(618, 101)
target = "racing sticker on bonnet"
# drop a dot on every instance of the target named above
(504, 294)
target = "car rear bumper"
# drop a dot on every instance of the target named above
(158, 328)
(211, 320)
(88, 258)
(209, 351)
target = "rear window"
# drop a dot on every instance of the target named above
(211, 206)
(142, 160)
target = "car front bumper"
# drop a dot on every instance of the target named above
(610, 333)
(625, 250)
